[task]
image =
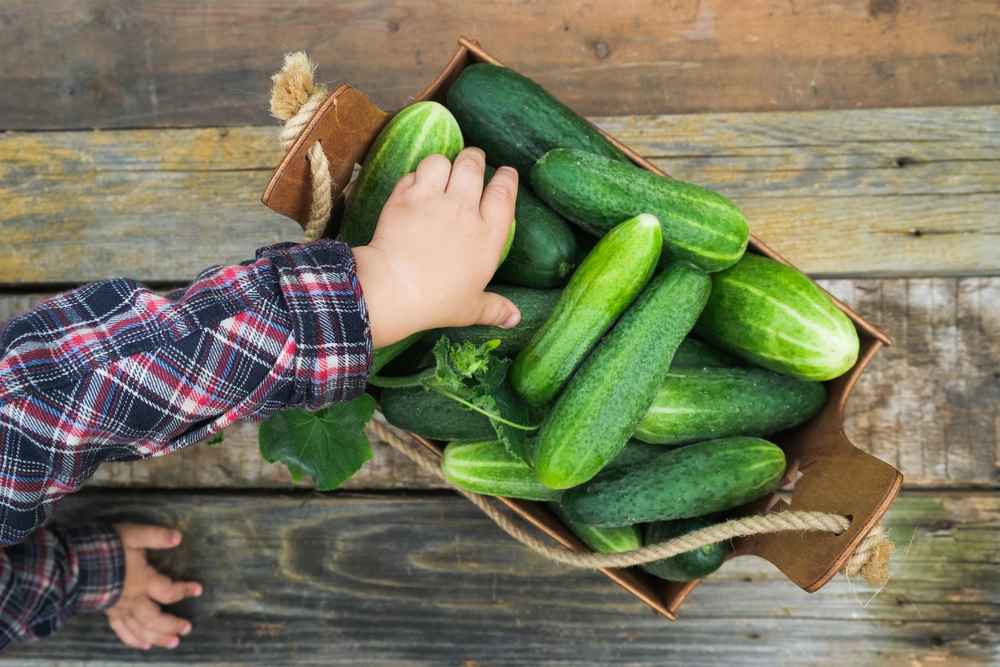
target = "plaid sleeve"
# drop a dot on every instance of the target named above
(114, 371)
(54, 574)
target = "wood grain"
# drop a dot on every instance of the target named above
(883, 192)
(191, 63)
(928, 404)
(421, 580)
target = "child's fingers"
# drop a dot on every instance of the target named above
(466, 179)
(127, 637)
(497, 206)
(138, 536)
(404, 184)
(498, 311)
(433, 172)
(166, 591)
(148, 635)
(151, 616)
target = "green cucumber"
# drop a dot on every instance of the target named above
(699, 225)
(516, 121)
(689, 565)
(419, 130)
(772, 315)
(598, 411)
(487, 468)
(681, 483)
(600, 290)
(544, 251)
(384, 355)
(693, 353)
(431, 415)
(634, 453)
(602, 540)
(696, 404)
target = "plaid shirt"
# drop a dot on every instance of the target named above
(113, 372)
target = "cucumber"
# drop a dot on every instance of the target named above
(696, 404)
(384, 355)
(681, 483)
(419, 130)
(772, 315)
(699, 225)
(593, 418)
(602, 540)
(434, 416)
(544, 251)
(693, 353)
(689, 565)
(634, 453)
(516, 121)
(486, 467)
(600, 290)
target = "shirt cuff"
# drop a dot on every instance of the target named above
(99, 559)
(323, 297)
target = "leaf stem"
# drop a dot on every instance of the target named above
(476, 408)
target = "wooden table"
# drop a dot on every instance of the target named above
(859, 138)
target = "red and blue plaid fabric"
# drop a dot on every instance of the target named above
(112, 371)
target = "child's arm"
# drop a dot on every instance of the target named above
(58, 572)
(113, 371)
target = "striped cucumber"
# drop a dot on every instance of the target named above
(699, 225)
(689, 565)
(598, 411)
(516, 121)
(419, 130)
(681, 483)
(693, 353)
(774, 316)
(600, 290)
(695, 404)
(602, 540)
(487, 468)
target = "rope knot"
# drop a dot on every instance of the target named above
(295, 97)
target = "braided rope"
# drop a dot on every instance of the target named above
(295, 99)
(870, 560)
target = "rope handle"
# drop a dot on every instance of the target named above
(295, 97)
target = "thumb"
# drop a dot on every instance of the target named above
(498, 311)
(138, 536)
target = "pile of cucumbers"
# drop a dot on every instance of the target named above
(660, 353)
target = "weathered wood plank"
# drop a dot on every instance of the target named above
(429, 581)
(882, 192)
(928, 405)
(186, 62)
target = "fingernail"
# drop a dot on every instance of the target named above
(198, 591)
(176, 537)
(172, 644)
(513, 320)
(186, 630)
(146, 647)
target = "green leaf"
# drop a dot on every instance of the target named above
(216, 439)
(518, 442)
(329, 445)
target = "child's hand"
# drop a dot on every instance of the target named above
(437, 244)
(136, 618)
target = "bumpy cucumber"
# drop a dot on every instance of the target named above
(774, 316)
(536, 307)
(432, 415)
(598, 411)
(635, 452)
(486, 468)
(544, 251)
(699, 225)
(419, 130)
(602, 540)
(693, 353)
(696, 404)
(516, 121)
(689, 565)
(681, 483)
(600, 290)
